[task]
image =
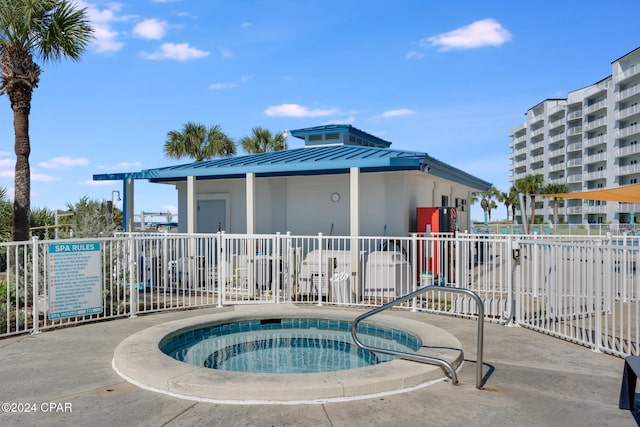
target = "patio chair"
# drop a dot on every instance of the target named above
(505, 230)
(548, 230)
(516, 230)
(536, 229)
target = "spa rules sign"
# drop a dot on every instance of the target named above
(74, 280)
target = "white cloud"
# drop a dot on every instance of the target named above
(225, 53)
(122, 166)
(344, 121)
(414, 55)
(169, 208)
(176, 52)
(295, 110)
(7, 174)
(229, 85)
(152, 29)
(105, 37)
(64, 162)
(96, 183)
(396, 113)
(7, 163)
(245, 24)
(40, 177)
(487, 32)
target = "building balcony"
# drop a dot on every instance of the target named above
(628, 207)
(598, 140)
(627, 151)
(595, 107)
(595, 158)
(577, 177)
(574, 146)
(628, 131)
(556, 167)
(534, 133)
(577, 130)
(628, 73)
(590, 176)
(556, 138)
(520, 151)
(596, 209)
(573, 210)
(574, 115)
(536, 159)
(628, 92)
(627, 112)
(572, 163)
(628, 169)
(602, 121)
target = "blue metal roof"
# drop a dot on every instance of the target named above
(319, 160)
(321, 130)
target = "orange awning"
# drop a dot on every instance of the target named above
(627, 193)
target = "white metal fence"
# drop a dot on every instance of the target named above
(580, 289)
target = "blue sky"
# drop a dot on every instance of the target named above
(447, 78)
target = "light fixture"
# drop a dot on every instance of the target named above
(335, 197)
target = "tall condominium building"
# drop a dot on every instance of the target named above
(586, 141)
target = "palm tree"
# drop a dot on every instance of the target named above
(554, 189)
(51, 30)
(485, 199)
(198, 142)
(530, 185)
(509, 199)
(263, 141)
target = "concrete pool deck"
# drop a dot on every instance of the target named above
(66, 378)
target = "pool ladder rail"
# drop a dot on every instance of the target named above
(446, 367)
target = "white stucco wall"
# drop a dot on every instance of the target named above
(303, 205)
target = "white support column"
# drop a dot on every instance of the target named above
(128, 204)
(192, 205)
(251, 203)
(354, 223)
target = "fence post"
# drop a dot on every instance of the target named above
(414, 269)
(275, 269)
(513, 249)
(221, 262)
(35, 290)
(320, 270)
(598, 302)
(133, 292)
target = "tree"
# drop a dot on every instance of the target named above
(485, 198)
(92, 218)
(262, 140)
(530, 185)
(554, 189)
(198, 143)
(51, 30)
(509, 199)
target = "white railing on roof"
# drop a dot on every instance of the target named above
(578, 286)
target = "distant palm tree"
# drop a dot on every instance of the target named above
(485, 200)
(530, 185)
(509, 199)
(51, 30)
(262, 140)
(555, 189)
(198, 143)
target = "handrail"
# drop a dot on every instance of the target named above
(444, 365)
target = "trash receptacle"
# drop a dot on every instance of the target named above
(340, 288)
(426, 279)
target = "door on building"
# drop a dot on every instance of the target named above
(212, 215)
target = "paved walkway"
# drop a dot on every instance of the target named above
(533, 380)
